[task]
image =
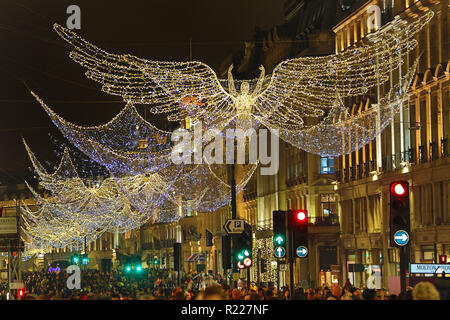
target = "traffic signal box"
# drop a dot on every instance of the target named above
(75, 259)
(242, 247)
(399, 209)
(279, 232)
(298, 223)
(133, 267)
(443, 259)
(292, 224)
(177, 256)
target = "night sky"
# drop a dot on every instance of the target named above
(34, 56)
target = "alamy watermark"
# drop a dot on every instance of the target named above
(74, 280)
(188, 147)
(74, 20)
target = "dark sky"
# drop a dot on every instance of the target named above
(33, 54)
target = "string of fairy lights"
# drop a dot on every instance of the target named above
(302, 100)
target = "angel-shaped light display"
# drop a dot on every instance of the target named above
(296, 99)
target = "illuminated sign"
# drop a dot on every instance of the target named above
(429, 268)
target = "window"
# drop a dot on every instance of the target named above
(326, 165)
(428, 254)
(328, 203)
(188, 211)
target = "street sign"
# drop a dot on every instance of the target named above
(234, 226)
(356, 267)
(302, 251)
(280, 252)
(429, 268)
(8, 225)
(401, 237)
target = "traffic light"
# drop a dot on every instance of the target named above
(242, 246)
(226, 252)
(84, 259)
(298, 223)
(20, 293)
(442, 259)
(209, 238)
(399, 213)
(155, 261)
(279, 233)
(75, 259)
(133, 266)
(177, 256)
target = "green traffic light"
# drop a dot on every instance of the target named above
(240, 256)
(246, 253)
(139, 268)
(128, 268)
(278, 239)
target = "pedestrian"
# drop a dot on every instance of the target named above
(425, 291)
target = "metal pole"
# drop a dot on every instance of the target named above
(291, 265)
(9, 268)
(248, 278)
(403, 264)
(233, 210)
(233, 192)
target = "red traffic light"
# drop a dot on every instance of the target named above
(301, 215)
(21, 293)
(399, 189)
(443, 259)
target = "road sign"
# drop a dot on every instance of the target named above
(280, 252)
(401, 237)
(234, 226)
(8, 225)
(302, 251)
(356, 267)
(429, 268)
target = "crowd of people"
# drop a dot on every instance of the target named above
(161, 285)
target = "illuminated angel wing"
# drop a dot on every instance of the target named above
(304, 94)
(169, 87)
(309, 86)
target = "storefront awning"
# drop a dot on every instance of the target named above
(193, 257)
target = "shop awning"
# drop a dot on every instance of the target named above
(193, 257)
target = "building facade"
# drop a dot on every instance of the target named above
(412, 148)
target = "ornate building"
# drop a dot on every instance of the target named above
(412, 148)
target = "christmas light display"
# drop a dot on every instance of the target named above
(300, 94)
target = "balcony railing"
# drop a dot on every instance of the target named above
(332, 220)
(395, 161)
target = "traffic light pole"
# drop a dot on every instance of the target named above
(233, 211)
(291, 263)
(404, 265)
